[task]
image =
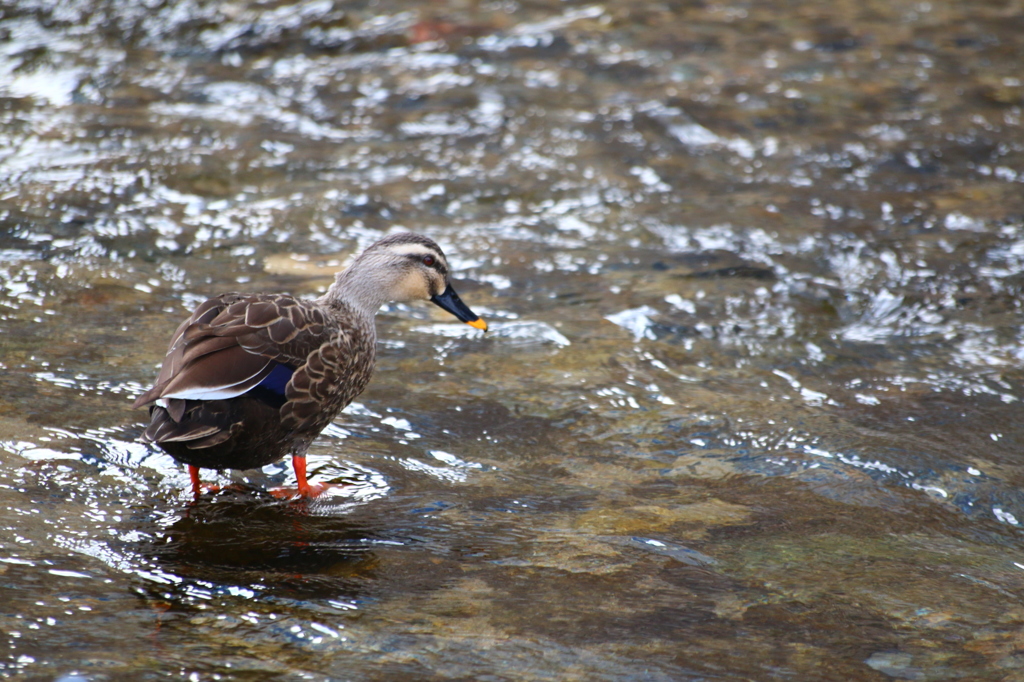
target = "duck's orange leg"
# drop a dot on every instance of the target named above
(197, 484)
(198, 487)
(302, 486)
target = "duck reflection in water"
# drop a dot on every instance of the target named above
(242, 539)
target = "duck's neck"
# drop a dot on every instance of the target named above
(357, 289)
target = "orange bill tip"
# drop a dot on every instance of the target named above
(478, 323)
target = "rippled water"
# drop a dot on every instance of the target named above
(750, 407)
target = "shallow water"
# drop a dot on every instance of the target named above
(750, 405)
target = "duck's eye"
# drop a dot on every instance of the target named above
(428, 261)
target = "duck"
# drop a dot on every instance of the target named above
(249, 379)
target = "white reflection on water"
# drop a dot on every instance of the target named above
(636, 320)
(455, 470)
(518, 333)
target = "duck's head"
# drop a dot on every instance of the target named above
(404, 267)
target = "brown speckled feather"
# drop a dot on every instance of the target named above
(235, 340)
(231, 337)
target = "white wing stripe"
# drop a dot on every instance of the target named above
(217, 392)
(208, 394)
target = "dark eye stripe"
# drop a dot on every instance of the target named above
(434, 261)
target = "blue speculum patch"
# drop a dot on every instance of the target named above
(277, 379)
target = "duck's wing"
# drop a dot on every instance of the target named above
(232, 342)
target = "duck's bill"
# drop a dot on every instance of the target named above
(450, 301)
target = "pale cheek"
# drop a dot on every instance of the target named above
(412, 288)
(439, 285)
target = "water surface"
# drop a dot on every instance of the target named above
(750, 405)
